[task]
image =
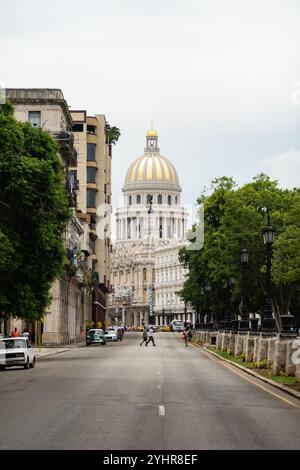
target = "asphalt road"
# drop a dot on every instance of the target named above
(123, 396)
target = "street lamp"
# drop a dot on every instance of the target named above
(207, 289)
(244, 323)
(185, 311)
(200, 309)
(150, 212)
(228, 314)
(268, 323)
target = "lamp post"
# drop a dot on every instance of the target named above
(200, 308)
(185, 311)
(150, 212)
(244, 322)
(228, 314)
(268, 323)
(207, 289)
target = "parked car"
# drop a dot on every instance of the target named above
(16, 352)
(111, 335)
(176, 325)
(95, 336)
(165, 328)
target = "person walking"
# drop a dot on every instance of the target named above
(145, 337)
(186, 337)
(151, 338)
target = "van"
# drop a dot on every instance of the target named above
(176, 325)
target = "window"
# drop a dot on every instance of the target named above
(144, 274)
(91, 175)
(91, 151)
(34, 118)
(91, 129)
(128, 228)
(91, 198)
(77, 128)
(138, 199)
(72, 178)
(130, 200)
(169, 200)
(176, 200)
(159, 199)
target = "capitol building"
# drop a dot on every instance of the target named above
(150, 230)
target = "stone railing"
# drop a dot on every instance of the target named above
(282, 355)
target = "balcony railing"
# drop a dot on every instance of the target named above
(66, 142)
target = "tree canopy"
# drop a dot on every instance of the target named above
(33, 216)
(114, 134)
(234, 219)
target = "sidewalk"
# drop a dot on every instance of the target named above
(42, 352)
(51, 351)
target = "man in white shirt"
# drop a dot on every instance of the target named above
(150, 337)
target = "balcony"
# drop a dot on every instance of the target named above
(67, 150)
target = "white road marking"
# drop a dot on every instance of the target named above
(161, 410)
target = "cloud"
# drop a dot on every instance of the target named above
(284, 167)
(220, 79)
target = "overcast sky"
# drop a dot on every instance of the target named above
(220, 78)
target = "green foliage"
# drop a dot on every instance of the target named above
(283, 379)
(242, 356)
(260, 364)
(234, 219)
(33, 216)
(113, 134)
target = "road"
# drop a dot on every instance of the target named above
(123, 396)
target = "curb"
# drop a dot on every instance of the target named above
(284, 388)
(51, 353)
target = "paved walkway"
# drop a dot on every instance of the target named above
(41, 352)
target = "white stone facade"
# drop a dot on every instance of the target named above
(152, 216)
(169, 279)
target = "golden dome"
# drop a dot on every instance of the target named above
(151, 168)
(152, 133)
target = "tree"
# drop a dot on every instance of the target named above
(234, 219)
(33, 216)
(113, 134)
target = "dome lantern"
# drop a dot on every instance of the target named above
(151, 141)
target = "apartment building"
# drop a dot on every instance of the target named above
(71, 306)
(93, 176)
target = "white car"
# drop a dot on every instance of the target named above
(16, 352)
(111, 335)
